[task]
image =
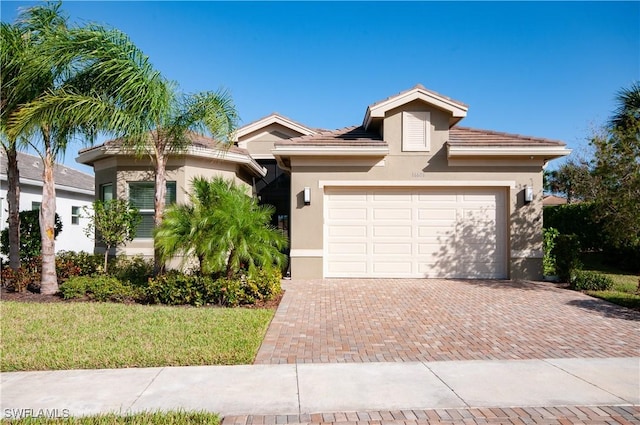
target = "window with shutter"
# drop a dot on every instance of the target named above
(415, 131)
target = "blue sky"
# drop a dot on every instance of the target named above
(548, 69)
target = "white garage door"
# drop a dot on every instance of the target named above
(415, 232)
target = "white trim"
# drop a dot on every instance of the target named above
(272, 119)
(546, 151)
(417, 183)
(330, 150)
(527, 253)
(39, 183)
(340, 162)
(379, 110)
(306, 253)
(262, 156)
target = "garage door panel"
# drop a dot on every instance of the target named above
(392, 248)
(348, 214)
(392, 213)
(441, 214)
(392, 268)
(392, 197)
(391, 231)
(437, 196)
(347, 231)
(422, 232)
(347, 248)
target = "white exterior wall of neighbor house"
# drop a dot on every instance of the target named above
(72, 237)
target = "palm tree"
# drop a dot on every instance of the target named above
(93, 79)
(186, 116)
(13, 48)
(223, 227)
(627, 114)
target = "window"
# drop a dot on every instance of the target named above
(106, 192)
(35, 205)
(416, 131)
(141, 196)
(75, 215)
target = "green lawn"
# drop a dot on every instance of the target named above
(151, 418)
(80, 335)
(624, 291)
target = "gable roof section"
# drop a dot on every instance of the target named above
(471, 142)
(273, 118)
(378, 110)
(66, 178)
(201, 146)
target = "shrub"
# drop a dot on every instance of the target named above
(27, 277)
(567, 253)
(30, 238)
(265, 283)
(583, 280)
(71, 263)
(136, 270)
(176, 288)
(549, 259)
(99, 288)
(576, 219)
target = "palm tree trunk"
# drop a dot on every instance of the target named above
(13, 199)
(159, 203)
(49, 280)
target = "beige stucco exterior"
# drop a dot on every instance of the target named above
(415, 169)
(119, 169)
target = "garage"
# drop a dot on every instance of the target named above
(415, 232)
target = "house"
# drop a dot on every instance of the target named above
(74, 191)
(407, 193)
(121, 173)
(553, 200)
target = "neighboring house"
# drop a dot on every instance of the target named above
(120, 173)
(553, 200)
(408, 193)
(74, 191)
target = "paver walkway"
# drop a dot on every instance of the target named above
(373, 320)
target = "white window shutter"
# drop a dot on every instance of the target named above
(415, 131)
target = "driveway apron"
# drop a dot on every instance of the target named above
(402, 320)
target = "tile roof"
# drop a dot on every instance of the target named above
(30, 167)
(465, 136)
(197, 140)
(348, 136)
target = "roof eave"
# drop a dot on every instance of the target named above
(546, 152)
(283, 151)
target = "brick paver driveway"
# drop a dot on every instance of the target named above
(370, 320)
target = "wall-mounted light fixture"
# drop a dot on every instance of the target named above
(528, 194)
(307, 196)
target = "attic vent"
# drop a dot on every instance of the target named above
(36, 164)
(416, 131)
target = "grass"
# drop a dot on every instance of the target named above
(146, 418)
(79, 335)
(625, 286)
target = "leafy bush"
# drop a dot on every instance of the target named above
(99, 288)
(567, 254)
(30, 239)
(27, 277)
(576, 219)
(71, 263)
(136, 270)
(583, 280)
(549, 259)
(176, 288)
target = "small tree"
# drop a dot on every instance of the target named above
(112, 222)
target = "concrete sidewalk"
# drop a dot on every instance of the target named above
(294, 389)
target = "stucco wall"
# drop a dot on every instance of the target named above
(121, 170)
(524, 233)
